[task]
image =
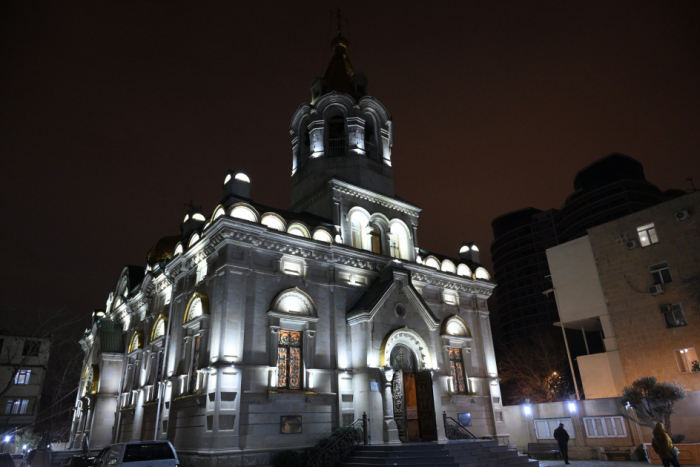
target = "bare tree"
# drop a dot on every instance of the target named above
(535, 369)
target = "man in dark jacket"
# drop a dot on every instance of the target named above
(562, 438)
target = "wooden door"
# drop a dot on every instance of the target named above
(426, 406)
(409, 389)
(397, 394)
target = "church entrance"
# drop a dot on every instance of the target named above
(412, 394)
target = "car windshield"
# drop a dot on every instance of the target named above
(147, 452)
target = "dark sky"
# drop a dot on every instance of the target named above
(115, 114)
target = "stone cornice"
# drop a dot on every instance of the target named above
(368, 195)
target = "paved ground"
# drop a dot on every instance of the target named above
(596, 463)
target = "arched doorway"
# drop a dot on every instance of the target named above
(412, 385)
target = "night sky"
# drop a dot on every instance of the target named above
(114, 115)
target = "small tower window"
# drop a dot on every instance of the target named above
(371, 146)
(336, 136)
(457, 372)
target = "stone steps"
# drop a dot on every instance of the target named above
(463, 453)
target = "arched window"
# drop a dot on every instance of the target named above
(463, 270)
(448, 266)
(178, 249)
(159, 328)
(304, 143)
(398, 240)
(322, 235)
(194, 342)
(136, 342)
(372, 148)
(220, 211)
(292, 317)
(336, 135)
(456, 335)
(273, 221)
(432, 262)
(194, 239)
(361, 238)
(376, 238)
(245, 212)
(298, 229)
(482, 273)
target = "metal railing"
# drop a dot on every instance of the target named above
(454, 430)
(336, 147)
(334, 452)
(372, 153)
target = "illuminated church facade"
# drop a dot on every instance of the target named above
(260, 329)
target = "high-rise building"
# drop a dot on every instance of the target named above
(609, 188)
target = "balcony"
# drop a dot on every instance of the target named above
(372, 152)
(336, 147)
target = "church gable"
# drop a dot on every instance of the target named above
(393, 282)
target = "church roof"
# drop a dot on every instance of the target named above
(339, 70)
(164, 249)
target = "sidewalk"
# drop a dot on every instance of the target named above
(597, 463)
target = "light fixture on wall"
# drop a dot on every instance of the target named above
(527, 410)
(572, 407)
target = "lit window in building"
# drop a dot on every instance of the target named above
(16, 406)
(298, 230)
(273, 222)
(647, 235)
(22, 376)
(687, 360)
(660, 273)
(289, 359)
(244, 212)
(359, 225)
(432, 263)
(482, 273)
(323, 235)
(457, 371)
(398, 241)
(673, 314)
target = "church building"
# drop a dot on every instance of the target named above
(259, 329)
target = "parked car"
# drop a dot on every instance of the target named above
(79, 461)
(138, 454)
(17, 458)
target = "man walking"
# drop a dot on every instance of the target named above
(562, 438)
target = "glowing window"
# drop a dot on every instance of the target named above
(187, 217)
(474, 248)
(687, 360)
(158, 329)
(218, 213)
(398, 241)
(482, 273)
(178, 249)
(289, 360)
(227, 179)
(323, 236)
(647, 235)
(431, 262)
(298, 230)
(448, 266)
(22, 376)
(464, 248)
(196, 309)
(459, 384)
(244, 212)
(199, 217)
(273, 222)
(194, 239)
(361, 231)
(242, 177)
(463, 270)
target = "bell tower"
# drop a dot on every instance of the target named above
(341, 134)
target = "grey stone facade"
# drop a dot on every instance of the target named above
(201, 329)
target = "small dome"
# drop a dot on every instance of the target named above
(162, 250)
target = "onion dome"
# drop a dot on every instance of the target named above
(162, 250)
(340, 70)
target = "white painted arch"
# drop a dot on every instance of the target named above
(411, 339)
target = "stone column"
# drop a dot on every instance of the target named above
(391, 432)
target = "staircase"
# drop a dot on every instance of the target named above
(462, 453)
